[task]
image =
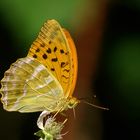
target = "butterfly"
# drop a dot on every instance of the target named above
(45, 79)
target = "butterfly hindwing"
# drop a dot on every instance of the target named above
(29, 87)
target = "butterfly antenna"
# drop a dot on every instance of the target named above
(86, 98)
(96, 106)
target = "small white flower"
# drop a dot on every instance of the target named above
(51, 129)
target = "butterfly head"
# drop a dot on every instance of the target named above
(73, 102)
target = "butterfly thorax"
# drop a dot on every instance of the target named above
(66, 103)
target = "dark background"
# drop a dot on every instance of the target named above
(107, 37)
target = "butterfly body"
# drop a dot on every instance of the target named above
(46, 77)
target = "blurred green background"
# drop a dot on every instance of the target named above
(107, 37)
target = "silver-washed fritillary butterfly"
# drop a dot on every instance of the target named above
(46, 77)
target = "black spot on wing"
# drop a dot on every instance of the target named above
(34, 56)
(37, 50)
(52, 69)
(61, 51)
(55, 49)
(54, 59)
(65, 77)
(66, 70)
(44, 56)
(62, 64)
(48, 50)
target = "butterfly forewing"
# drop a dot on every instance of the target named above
(52, 49)
(74, 61)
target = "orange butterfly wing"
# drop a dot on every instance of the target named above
(55, 49)
(74, 60)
